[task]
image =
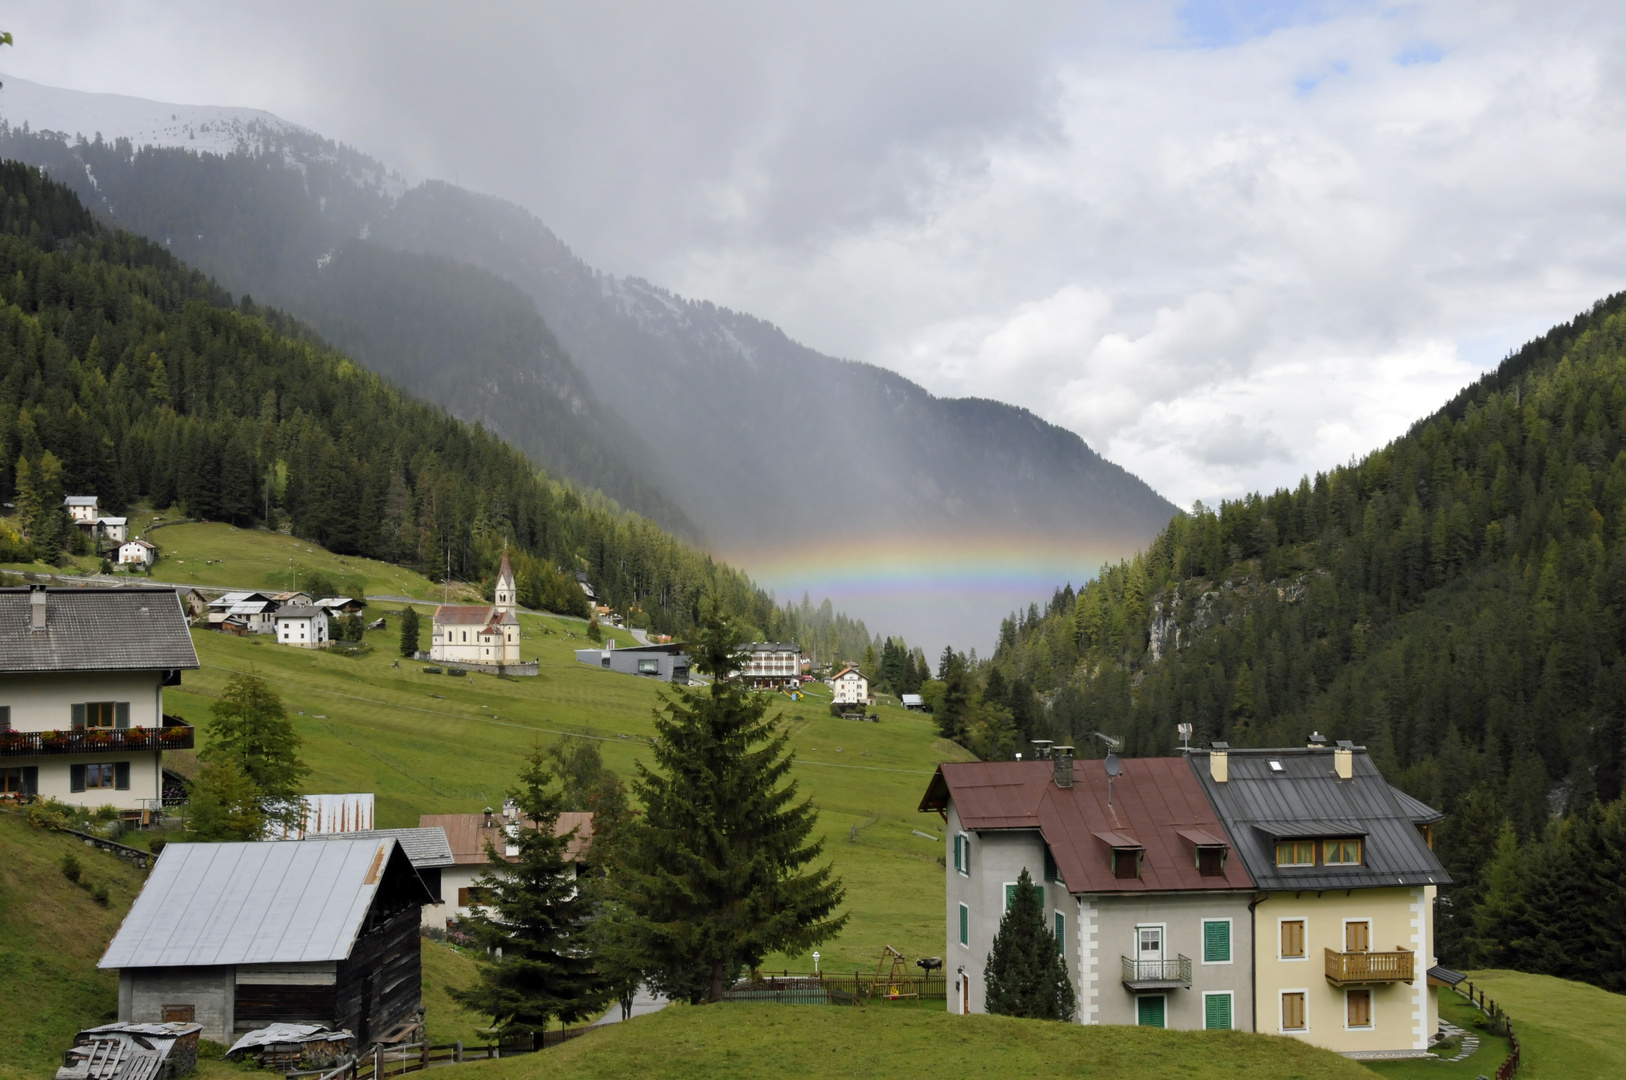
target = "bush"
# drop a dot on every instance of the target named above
(71, 868)
(99, 894)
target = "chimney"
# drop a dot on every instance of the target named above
(1318, 741)
(510, 809)
(1041, 749)
(1062, 757)
(1343, 759)
(488, 817)
(1219, 762)
(36, 608)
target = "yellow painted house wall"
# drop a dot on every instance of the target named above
(1404, 1016)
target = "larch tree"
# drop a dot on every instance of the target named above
(252, 731)
(718, 873)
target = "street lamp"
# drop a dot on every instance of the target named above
(815, 961)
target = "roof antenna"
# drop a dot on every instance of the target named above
(1185, 738)
(1114, 766)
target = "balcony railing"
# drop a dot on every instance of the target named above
(1157, 974)
(174, 735)
(1349, 968)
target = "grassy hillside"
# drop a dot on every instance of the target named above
(437, 744)
(816, 1042)
(51, 935)
(1567, 1029)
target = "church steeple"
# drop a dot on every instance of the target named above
(504, 593)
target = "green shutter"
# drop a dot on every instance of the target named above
(121, 714)
(1061, 933)
(31, 779)
(1216, 942)
(76, 775)
(965, 925)
(1010, 894)
(121, 776)
(78, 712)
(1149, 1011)
(1049, 864)
(958, 862)
(1217, 1012)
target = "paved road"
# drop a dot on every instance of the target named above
(643, 1003)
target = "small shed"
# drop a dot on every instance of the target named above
(238, 936)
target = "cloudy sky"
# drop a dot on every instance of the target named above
(1225, 242)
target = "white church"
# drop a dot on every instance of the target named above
(476, 634)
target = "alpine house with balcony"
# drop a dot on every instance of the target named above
(1138, 878)
(82, 677)
(1344, 923)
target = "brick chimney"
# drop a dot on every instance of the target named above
(36, 608)
(1061, 758)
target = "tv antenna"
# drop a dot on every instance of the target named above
(1113, 766)
(1185, 738)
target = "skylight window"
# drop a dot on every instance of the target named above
(1275, 766)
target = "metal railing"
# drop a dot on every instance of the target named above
(177, 736)
(1177, 970)
(1370, 967)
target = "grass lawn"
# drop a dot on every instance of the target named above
(1567, 1030)
(438, 744)
(51, 935)
(1482, 1062)
(816, 1042)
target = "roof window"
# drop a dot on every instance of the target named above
(1275, 766)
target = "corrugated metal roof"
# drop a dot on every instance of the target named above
(427, 848)
(96, 629)
(1258, 802)
(252, 903)
(1153, 803)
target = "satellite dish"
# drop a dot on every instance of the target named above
(1114, 766)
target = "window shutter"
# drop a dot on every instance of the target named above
(121, 714)
(1010, 894)
(1049, 864)
(31, 779)
(1216, 942)
(5, 717)
(76, 773)
(1061, 933)
(1217, 1012)
(956, 851)
(121, 776)
(965, 925)
(79, 723)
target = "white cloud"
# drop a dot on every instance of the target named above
(1226, 253)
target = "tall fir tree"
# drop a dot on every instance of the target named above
(409, 631)
(532, 928)
(1026, 973)
(718, 872)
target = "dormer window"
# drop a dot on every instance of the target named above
(1295, 853)
(1341, 852)
(1211, 861)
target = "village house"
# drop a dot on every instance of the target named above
(426, 849)
(850, 686)
(479, 634)
(237, 936)
(1347, 882)
(326, 814)
(298, 599)
(1135, 873)
(250, 612)
(768, 665)
(302, 627)
(82, 677)
(471, 835)
(667, 662)
(339, 605)
(115, 530)
(138, 552)
(83, 509)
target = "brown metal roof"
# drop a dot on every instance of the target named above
(468, 836)
(1154, 802)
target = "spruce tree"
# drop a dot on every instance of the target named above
(409, 631)
(1027, 973)
(531, 927)
(717, 873)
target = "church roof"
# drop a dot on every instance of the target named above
(463, 614)
(505, 570)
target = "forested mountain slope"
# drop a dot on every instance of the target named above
(124, 373)
(1456, 601)
(749, 429)
(284, 218)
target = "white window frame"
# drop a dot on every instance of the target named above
(1221, 993)
(964, 929)
(964, 868)
(1371, 1008)
(1163, 930)
(1282, 994)
(1370, 932)
(1230, 942)
(1006, 895)
(1146, 997)
(1305, 919)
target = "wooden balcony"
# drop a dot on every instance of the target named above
(1355, 968)
(174, 735)
(1157, 974)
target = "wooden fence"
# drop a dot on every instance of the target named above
(388, 1061)
(1510, 1065)
(799, 988)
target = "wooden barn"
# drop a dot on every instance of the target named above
(238, 936)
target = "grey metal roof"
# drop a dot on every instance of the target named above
(79, 500)
(96, 629)
(1257, 803)
(300, 611)
(1420, 812)
(268, 902)
(426, 847)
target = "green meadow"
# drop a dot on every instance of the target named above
(441, 744)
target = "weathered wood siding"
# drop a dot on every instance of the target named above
(381, 984)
